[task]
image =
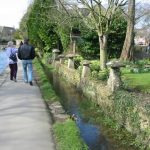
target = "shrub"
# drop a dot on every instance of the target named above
(95, 65)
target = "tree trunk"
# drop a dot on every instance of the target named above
(103, 51)
(128, 47)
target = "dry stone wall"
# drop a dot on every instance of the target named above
(100, 94)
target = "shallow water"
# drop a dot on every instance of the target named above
(96, 136)
(3, 61)
(71, 99)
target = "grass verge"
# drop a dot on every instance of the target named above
(67, 135)
(46, 88)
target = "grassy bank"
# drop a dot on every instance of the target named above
(118, 136)
(46, 88)
(66, 134)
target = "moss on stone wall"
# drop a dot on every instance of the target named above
(121, 106)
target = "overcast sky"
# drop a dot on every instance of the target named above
(11, 11)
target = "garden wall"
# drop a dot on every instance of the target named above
(123, 107)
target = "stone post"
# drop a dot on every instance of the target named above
(70, 61)
(114, 81)
(85, 70)
(55, 54)
(61, 59)
(74, 46)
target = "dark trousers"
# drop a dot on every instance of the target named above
(13, 71)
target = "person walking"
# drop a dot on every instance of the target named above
(20, 44)
(26, 53)
(11, 53)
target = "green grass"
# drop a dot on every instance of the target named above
(68, 137)
(138, 81)
(46, 88)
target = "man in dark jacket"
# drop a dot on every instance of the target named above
(26, 53)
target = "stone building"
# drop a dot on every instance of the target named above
(6, 33)
(142, 36)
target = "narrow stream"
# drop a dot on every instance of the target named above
(3, 61)
(71, 99)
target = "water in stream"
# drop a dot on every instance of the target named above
(73, 102)
(71, 99)
(3, 61)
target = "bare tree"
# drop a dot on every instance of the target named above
(99, 19)
(142, 14)
(128, 47)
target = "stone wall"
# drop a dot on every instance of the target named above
(135, 117)
(98, 92)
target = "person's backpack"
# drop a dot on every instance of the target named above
(13, 56)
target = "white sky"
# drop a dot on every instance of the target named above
(11, 11)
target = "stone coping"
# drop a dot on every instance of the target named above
(61, 56)
(56, 50)
(115, 64)
(70, 55)
(85, 63)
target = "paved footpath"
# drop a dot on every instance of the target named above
(25, 123)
